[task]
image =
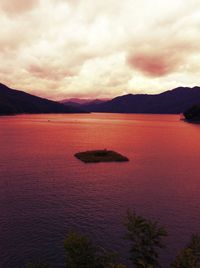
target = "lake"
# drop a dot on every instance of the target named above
(45, 191)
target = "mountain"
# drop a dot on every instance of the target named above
(76, 102)
(173, 101)
(18, 102)
(169, 102)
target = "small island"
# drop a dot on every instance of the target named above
(193, 114)
(97, 156)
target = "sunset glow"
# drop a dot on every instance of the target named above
(72, 48)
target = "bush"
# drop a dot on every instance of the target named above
(146, 238)
(81, 253)
(189, 257)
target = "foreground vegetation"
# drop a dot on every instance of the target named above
(146, 239)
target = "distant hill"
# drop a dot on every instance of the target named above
(169, 102)
(18, 102)
(76, 102)
(80, 101)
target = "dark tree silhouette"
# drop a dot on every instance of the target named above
(189, 257)
(81, 253)
(146, 238)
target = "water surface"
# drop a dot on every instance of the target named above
(45, 191)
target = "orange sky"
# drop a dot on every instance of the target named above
(86, 48)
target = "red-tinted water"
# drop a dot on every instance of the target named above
(45, 191)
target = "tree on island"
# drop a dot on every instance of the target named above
(193, 113)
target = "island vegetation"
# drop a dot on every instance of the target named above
(96, 156)
(193, 114)
(146, 239)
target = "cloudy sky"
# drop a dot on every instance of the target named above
(99, 48)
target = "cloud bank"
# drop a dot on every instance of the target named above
(66, 48)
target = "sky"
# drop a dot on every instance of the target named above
(99, 48)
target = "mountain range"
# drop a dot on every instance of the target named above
(18, 102)
(169, 102)
(173, 101)
(77, 102)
